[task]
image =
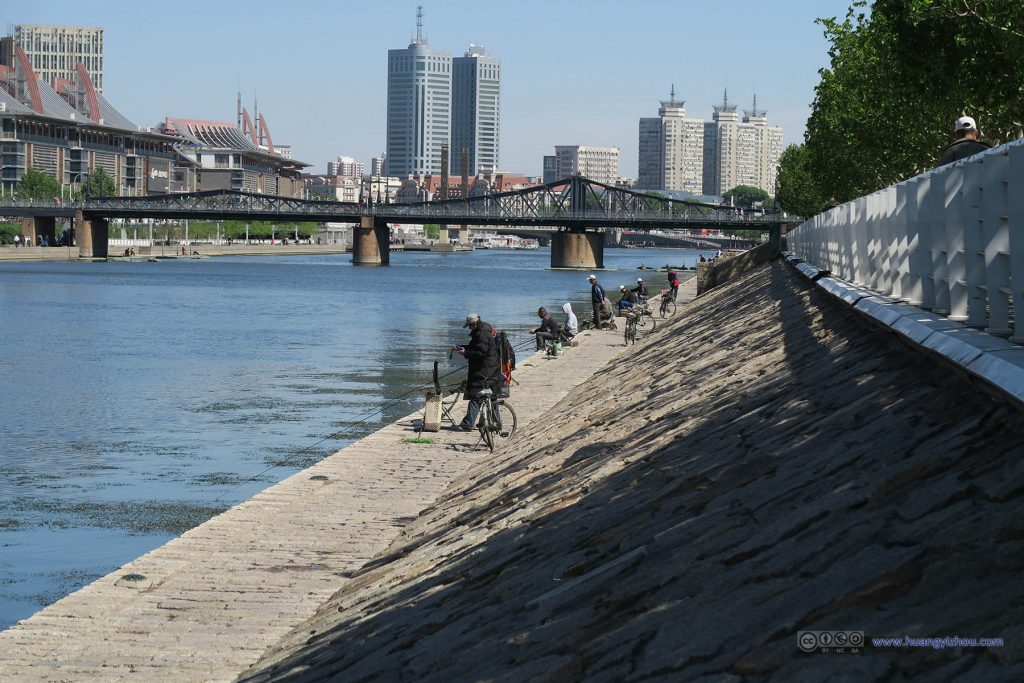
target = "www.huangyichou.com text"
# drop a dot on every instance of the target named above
(936, 643)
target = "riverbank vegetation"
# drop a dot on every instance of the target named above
(900, 73)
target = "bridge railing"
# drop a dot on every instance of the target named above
(950, 240)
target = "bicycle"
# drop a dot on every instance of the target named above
(492, 420)
(668, 306)
(630, 333)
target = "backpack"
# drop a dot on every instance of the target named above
(506, 355)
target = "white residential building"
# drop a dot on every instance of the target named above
(739, 152)
(346, 166)
(55, 51)
(671, 154)
(595, 163)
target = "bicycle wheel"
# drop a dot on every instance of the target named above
(668, 308)
(485, 423)
(507, 422)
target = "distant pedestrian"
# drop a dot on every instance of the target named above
(673, 282)
(17, 241)
(965, 141)
(627, 298)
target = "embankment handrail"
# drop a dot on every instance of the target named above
(950, 240)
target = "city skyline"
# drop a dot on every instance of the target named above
(588, 88)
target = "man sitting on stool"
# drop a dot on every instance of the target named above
(548, 328)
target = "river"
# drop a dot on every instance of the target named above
(142, 398)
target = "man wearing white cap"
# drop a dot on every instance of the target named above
(596, 299)
(965, 141)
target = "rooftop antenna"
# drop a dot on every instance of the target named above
(672, 94)
(419, 24)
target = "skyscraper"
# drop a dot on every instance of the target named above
(476, 106)
(671, 155)
(419, 106)
(55, 51)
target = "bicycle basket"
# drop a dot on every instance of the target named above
(502, 389)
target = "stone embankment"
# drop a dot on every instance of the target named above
(206, 605)
(765, 464)
(10, 253)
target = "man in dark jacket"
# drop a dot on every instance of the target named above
(484, 365)
(596, 299)
(548, 329)
(965, 141)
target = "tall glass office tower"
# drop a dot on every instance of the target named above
(476, 106)
(419, 107)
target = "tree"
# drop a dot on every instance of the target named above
(99, 184)
(38, 185)
(885, 106)
(798, 188)
(747, 195)
(431, 230)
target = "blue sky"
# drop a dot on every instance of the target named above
(573, 72)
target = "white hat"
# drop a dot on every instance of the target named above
(639, 279)
(470, 319)
(622, 287)
(592, 277)
(966, 123)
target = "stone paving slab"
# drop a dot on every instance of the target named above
(216, 597)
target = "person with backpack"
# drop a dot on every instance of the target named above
(673, 283)
(484, 365)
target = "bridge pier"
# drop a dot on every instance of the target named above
(577, 250)
(371, 242)
(39, 226)
(91, 236)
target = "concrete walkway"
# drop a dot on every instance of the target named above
(213, 600)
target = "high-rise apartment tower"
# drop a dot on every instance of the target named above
(55, 51)
(671, 155)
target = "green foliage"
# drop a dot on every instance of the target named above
(799, 192)
(746, 195)
(899, 76)
(99, 184)
(432, 230)
(37, 185)
(8, 231)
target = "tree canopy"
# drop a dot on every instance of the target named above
(99, 184)
(746, 196)
(900, 74)
(38, 185)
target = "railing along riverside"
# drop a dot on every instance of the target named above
(950, 240)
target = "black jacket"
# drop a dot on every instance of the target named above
(548, 324)
(482, 354)
(960, 149)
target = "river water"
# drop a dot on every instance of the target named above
(140, 399)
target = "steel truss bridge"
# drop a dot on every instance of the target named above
(575, 203)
